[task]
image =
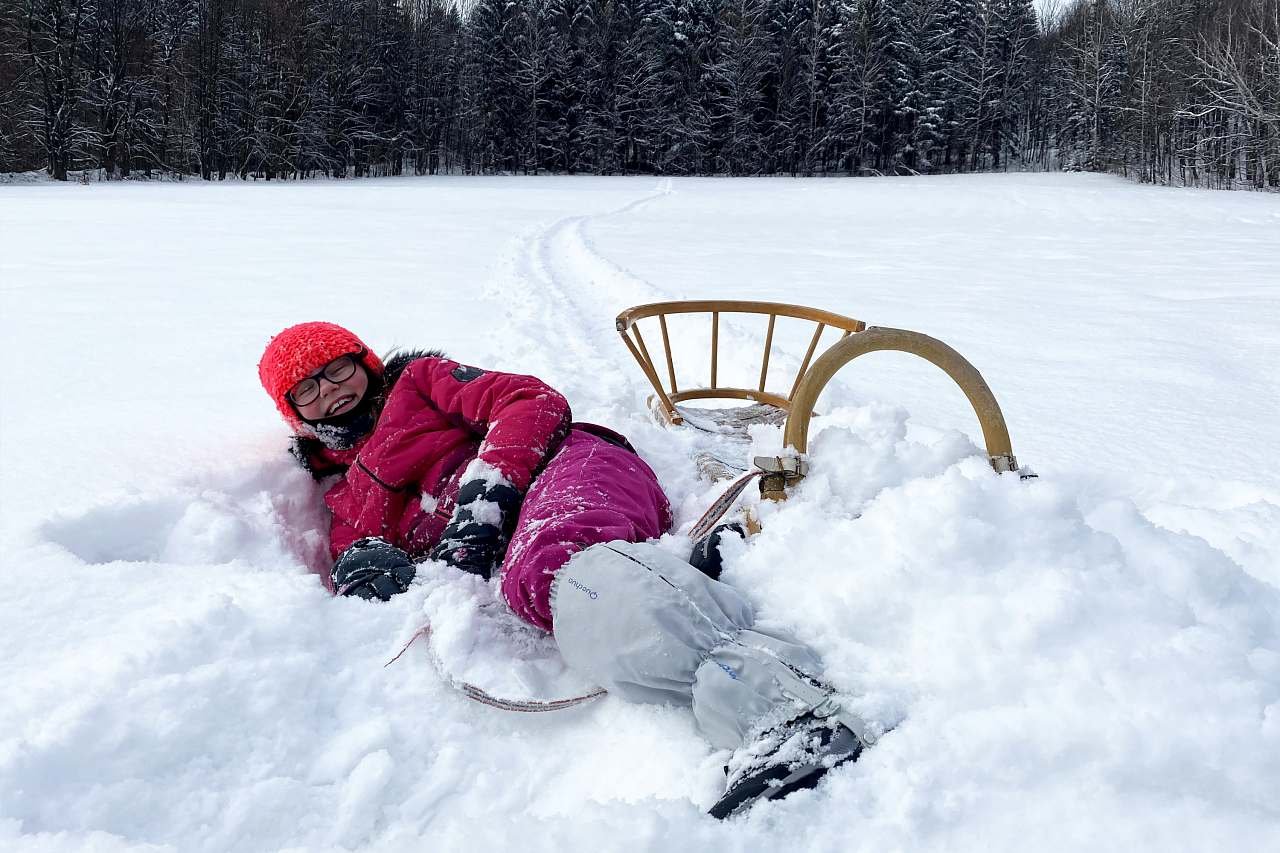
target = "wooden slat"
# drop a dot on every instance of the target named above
(666, 346)
(648, 359)
(808, 356)
(647, 366)
(715, 344)
(768, 345)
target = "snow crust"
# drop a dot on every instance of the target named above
(1088, 659)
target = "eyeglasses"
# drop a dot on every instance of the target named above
(340, 369)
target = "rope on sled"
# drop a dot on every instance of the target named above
(479, 694)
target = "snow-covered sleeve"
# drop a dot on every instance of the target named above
(521, 419)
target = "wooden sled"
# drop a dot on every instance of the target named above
(852, 338)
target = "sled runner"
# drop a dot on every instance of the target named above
(722, 455)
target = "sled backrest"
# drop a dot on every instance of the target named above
(665, 399)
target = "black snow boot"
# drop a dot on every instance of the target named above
(706, 551)
(790, 758)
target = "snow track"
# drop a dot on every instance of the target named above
(566, 293)
(563, 295)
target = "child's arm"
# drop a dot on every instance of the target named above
(521, 418)
(522, 421)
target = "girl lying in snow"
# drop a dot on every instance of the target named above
(486, 472)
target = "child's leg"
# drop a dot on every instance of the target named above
(649, 627)
(590, 492)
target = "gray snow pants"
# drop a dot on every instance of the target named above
(649, 627)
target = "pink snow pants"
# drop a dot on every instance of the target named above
(591, 491)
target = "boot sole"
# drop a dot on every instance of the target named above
(774, 785)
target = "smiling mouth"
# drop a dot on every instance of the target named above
(340, 405)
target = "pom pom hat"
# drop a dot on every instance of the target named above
(301, 350)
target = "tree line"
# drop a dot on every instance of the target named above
(1167, 91)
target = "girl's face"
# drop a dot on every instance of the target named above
(333, 390)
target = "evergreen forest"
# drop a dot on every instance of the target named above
(1183, 92)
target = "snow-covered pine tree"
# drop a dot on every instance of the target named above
(1018, 31)
(542, 61)
(602, 39)
(566, 88)
(737, 72)
(824, 47)
(683, 34)
(636, 76)
(434, 78)
(978, 84)
(260, 108)
(855, 68)
(893, 91)
(934, 51)
(918, 111)
(1094, 65)
(497, 100)
(949, 58)
(391, 43)
(788, 86)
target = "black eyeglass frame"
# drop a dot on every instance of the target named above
(314, 379)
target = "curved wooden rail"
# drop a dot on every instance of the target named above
(878, 338)
(736, 306)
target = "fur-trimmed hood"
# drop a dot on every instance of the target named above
(397, 360)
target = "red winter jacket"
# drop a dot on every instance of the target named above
(400, 481)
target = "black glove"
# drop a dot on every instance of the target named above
(706, 551)
(476, 537)
(373, 568)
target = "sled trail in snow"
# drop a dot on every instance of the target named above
(560, 295)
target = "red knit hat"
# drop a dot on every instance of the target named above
(302, 349)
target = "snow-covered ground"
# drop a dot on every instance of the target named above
(1088, 660)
